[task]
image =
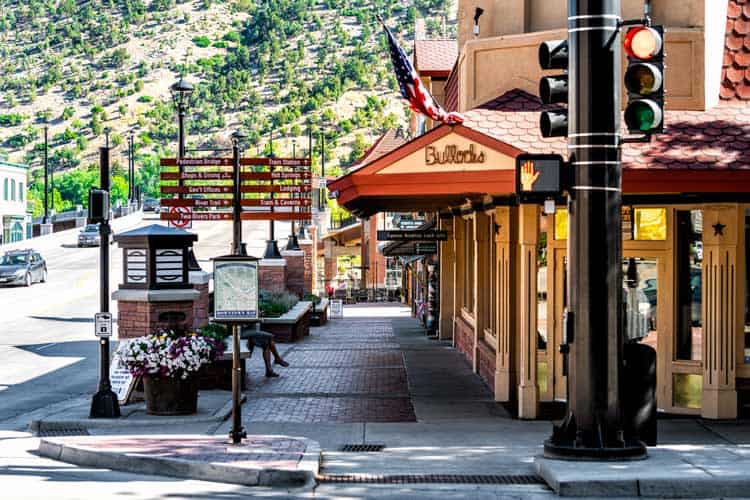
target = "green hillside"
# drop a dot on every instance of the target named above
(267, 67)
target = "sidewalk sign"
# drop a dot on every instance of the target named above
(337, 309)
(122, 381)
(103, 324)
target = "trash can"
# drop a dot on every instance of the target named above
(639, 392)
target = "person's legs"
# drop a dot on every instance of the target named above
(276, 356)
(267, 361)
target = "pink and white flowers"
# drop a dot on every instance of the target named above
(168, 355)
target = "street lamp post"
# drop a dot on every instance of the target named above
(131, 167)
(292, 243)
(272, 247)
(181, 92)
(46, 174)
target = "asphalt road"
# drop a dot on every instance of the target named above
(48, 352)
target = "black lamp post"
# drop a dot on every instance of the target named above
(46, 174)
(272, 247)
(131, 167)
(181, 92)
(292, 243)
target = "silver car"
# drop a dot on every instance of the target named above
(22, 267)
(90, 237)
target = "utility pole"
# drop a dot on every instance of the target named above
(46, 174)
(593, 427)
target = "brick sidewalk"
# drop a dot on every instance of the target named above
(350, 370)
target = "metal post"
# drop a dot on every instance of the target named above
(130, 168)
(593, 427)
(292, 243)
(180, 141)
(237, 432)
(237, 200)
(272, 247)
(46, 173)
(323, 170)
(104, 404)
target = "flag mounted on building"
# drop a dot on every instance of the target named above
(412, 88)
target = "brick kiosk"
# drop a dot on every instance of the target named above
(157, 289)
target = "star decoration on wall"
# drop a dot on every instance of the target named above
(718, 229)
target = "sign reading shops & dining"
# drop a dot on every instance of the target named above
(452, 154)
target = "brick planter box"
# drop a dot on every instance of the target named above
(292, 326)
(319, 314)
(218, 375)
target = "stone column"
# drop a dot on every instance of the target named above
(329, 260)
(140, 312)
(528, 231)
(272, 275)
(447, 271)
(505, 242)
(200, 281)
(309, 258)
(45, 229)
(458, 276)
(481, 281)
(722, 307)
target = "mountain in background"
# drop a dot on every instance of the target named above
(280, 67)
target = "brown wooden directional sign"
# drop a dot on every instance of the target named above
(197, 189)
(296, 188)
(198, 203)
(228, 176)
(276, 216)
(206, 162)
(278, 202)
(197, 216)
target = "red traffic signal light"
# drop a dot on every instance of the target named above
(643, 42)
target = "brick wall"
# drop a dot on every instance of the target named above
(136, 318)
(464, 339)
(295, 271)
(272, 277)
(486, 363)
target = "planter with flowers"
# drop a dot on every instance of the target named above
(169, 364)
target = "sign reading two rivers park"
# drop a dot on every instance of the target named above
(203, 189)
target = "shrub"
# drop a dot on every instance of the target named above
(201, 41)
(274, 304)
(145, 98)
(312, 298)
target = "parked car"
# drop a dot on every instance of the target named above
(90, 237)
(22, 267)
(151, 205)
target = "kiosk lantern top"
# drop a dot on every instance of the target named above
(156, 257)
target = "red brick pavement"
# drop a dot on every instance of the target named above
(347, 371)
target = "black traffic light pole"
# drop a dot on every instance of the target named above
(104, 404)
(593, 427)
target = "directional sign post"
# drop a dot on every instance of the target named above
(400, 235)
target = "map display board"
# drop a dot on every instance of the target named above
(235, 289)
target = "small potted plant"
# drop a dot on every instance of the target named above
(168, 364)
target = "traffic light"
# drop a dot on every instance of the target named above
(554, 89)
(98, 205)
(644, 79)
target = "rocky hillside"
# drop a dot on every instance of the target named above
(85, 67)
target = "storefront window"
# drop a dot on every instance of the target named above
(650, 224)
(640, 289)
(747, 288)
(541, 287)
(561, 224)
(689, 278)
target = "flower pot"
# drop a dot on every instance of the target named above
(170, 396)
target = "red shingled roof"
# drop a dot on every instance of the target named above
(435, 57)
(390, 140)
(735, 73)
(709, 140)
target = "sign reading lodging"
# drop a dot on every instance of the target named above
(540, 176)
(411, 235)
(236, 289)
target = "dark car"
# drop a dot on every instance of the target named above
(22, 267)
(151, 205)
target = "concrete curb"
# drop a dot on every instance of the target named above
(304, 476)
(671, 478)
(220, 415)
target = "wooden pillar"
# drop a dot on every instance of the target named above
(528, 231)
(722, 307)
(505, 309)
(481, 279)
(447, 273)
(459, 230)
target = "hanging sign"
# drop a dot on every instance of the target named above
(426, 248)
(412, 235)
(236, 289)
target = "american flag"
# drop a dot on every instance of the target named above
(412, 88)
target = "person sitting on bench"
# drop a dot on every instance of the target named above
(264, 340)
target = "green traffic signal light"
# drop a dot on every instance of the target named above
(644, 115)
